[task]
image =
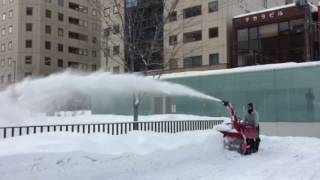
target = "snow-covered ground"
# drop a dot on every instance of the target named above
(185, 156)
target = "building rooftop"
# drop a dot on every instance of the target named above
(267, 67)
(313, 7)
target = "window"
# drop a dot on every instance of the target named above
(243, 38)
(60, 63)
(9, 78)
(3, 61)
(28, 43)
(289, 1)
(132, 3)
(3, 47)
(10, 29)
(172, 16)
(94, 53)
(94, 40)
(192, 36)
(48, 1)
(78, 7)
(28, 59)
(116, 9)
(213, 32)
(214, 59)
(10, 13)
(116, 50)
(297, 26)
(3, 16)
(284, 27)
(270, 30)
(94, 67)
(94, 12)
(48, 13)
(213, 6)
(9, 61)
(48, 29)
(48, 45)
(60, 16)
(28, 27)
(106, 32)
(116, 29)
(9, 45)
(29, 11)
(193, 61)
(106, 12)
(191, 12)
(253, 38)
(173, 40)
(47, 61)
(61, 3)
(60, 32)
(265, 4)
(3, 31)
(60, 47)
(78, 36)
(26, 74)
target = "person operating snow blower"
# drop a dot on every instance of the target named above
(251, 117)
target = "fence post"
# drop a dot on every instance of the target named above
(41, 129)
(48, 128)
(4, 133)
(12, 132)
(34, 129)
(103, 128)
(20, 131)
(112, 125)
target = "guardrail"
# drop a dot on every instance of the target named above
(112, 128)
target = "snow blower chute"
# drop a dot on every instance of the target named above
(240, 137)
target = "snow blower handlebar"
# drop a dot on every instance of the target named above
(233, 115)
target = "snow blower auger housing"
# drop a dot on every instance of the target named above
(238, 137)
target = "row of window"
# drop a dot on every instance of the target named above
(9, 79)
(106, 11)
(4, 30)
(4, 2)
(194, 61)
(4, 15)
(4, 45)
(213, 6)
(72, 20)
(3, 62)
(194, 36)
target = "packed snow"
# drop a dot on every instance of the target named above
(189, 155)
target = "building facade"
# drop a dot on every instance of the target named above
(288, 33)
(198, 34)
(39, 37)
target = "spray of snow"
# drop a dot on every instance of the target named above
(43, 94)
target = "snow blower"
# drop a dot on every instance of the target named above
(241, 136)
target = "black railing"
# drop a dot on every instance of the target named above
(112, 128)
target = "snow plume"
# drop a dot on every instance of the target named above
(44, 94)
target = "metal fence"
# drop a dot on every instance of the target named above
(112, 128)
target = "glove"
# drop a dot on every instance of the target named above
(225, 103)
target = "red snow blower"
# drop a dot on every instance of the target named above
(240, 137)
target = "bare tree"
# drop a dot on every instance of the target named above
(139, 25)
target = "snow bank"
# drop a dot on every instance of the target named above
(82, 119)
(185, 156)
